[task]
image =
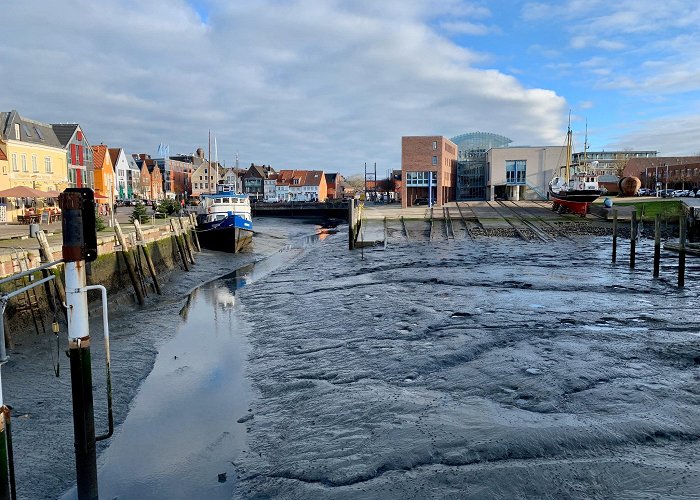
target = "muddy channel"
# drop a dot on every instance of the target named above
(486, 368)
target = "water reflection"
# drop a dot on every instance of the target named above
(187, 425)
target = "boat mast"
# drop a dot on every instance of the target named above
(209, 175)
(585, 150)
(568, 151)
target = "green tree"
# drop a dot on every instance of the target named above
(139, 212)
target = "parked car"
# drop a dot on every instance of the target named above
(666, 193)
(420, 201)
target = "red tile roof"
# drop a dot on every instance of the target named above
(2, 156)
(98, 155)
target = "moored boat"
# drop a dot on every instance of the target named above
(224, 222)
(573, 188)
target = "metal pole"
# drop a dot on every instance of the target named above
(681, 252)
(657, 245)
(79, 345)
(633, 238)
(614, 242)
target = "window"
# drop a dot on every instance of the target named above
(38, 133)
(434, 145)
(47, 165)
(421, 179)
(515, 171)
(24, 163)
(14, 163)
(35, 167)
(26, 130)
(434, 160)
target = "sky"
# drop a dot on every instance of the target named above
(332, 84)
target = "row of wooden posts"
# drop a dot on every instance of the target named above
(657, 244)
(135, 248)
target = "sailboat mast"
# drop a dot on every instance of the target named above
(568, 153)
(209, 175)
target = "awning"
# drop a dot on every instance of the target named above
(23, 192)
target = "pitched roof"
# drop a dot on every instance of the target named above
(30, 131)
(98, 155)
(114, 154)
(2, 156)
(313, 177)
(64, 132)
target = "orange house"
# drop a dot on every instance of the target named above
(104, 175)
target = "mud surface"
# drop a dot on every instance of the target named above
(42, 414)
(487, 368)
(473, 369)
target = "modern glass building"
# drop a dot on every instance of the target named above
(472, 164)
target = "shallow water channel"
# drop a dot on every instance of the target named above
(186, 425)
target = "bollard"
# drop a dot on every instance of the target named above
(681, 252)
(633, 238)
(614, 242)
(657, 245)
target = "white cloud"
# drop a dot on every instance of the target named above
(305, 83)
(677, 135)
(467, 28)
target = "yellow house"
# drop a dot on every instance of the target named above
(35, 158)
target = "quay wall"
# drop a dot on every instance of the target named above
(109, 270)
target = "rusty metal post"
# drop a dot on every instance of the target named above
(633, 239)
(75, 233)
(681, 251)
(614, 242)
(657, 245)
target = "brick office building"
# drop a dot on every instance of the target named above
(428, 169)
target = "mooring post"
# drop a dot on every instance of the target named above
(186, 240)
(351, 224)
(633, 238)
(130, 266)
(79, 246)
(657, 245)
(178, 243)
(681, 251)
(614, 242)
(141, 242)
(193, 222)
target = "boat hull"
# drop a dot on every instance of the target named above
(230, 235)
(576, 196)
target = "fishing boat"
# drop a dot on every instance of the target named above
(224, 222)
(573, 188)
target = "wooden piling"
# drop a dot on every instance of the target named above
(657, 245)
(186, 240)
(141, 242)
(193, 221)
(633, 239)
(178, 243)
(681, 251)
(614, 242)
(47, 256)
(130, 267)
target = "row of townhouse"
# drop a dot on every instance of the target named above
(52, 157)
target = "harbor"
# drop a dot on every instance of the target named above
(467, 357)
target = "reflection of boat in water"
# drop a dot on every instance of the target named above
(224, 222)
(575, 188)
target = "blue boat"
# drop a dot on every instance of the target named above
(224, 222)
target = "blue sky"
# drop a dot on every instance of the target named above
(331, 84)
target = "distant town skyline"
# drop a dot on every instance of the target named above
(323, 84)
